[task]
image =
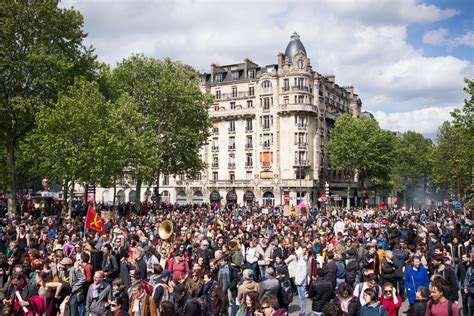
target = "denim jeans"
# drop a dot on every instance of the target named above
(302, 296)
(262, 269)
(77, 309)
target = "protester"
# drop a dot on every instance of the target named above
(213, 259)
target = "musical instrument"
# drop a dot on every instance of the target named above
(166, 233)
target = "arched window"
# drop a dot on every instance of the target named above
(181, 198)
(266, 84)
(198, 198)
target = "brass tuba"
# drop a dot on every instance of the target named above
(166, 230)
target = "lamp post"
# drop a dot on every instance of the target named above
(326, 190)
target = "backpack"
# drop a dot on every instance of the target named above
(201, 302)
(285, 292)
(233, 277)
(237, 257)
(450, 307)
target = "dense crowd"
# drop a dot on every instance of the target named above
(238, 261)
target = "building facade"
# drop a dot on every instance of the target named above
(270, 129)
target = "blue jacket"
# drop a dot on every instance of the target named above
(377, 310)
(415, 279)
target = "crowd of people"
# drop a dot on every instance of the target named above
(238, 261)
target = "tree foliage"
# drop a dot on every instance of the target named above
(41, 52)
(358, 144)
(453, 157)
(168, 95)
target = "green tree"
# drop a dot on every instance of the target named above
(414, 161)
(453, 155)
(168, 95)
(41, 52)
(359, 145)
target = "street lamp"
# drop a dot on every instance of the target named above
(326, 189)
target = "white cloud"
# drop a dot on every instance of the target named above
(425, 121)
(435, 37)
(362, 42)
(465, 39)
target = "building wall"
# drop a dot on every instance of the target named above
(287, 100)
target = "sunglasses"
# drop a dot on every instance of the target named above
(113, 305)
(387, 292)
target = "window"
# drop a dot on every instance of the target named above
(300, 121)
(266, 158)
(218, 94)
(266, 84)
(300, 174)
(266, 140)
(266, 121)
(215, 176)
(219, 77)
(197, 176)
(166, 179)
(251, 91)
(301, 63)
(286, 84)
(232, 105)
(231, 176)
(248, 175)
(215, 143)
(231, 126)
(300, 138)
(250, 103)
(266, 103)
(234, 92)
(248, 141)
(299, 99)
(235, 75)
(248, 161)
(215, 161)
(301, 156)
(300, 83)
(248, 124)
(286, 100)
(231, 142)
(251, 74)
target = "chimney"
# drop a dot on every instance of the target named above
(350, 89)
(246, 67)
(213, 71)
(281, 58)
(331, 78)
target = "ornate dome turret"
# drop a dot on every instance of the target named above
(294, 46)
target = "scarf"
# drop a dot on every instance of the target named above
(95, 290)
(136, 304)
(345, 304)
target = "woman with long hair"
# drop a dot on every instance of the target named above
(346, 301)
(250, 305)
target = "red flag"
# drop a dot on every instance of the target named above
(94, 222)
(383, 205)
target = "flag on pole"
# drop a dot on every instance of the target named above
(383, 205)
(216, 207)
(94, 222)
(222, 204)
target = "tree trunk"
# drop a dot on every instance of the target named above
(157, 190)
(115, 192)
(66, 194)
(11, 178)
(138, 190)
(86, 194)
(348, 200)
(71, 199)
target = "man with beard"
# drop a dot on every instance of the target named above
(438, 268)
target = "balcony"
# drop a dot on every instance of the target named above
(248, 165)
(300, 88)
(237, 112)
(232, 147)
(249, 129)
(215, 148)
(266, 128)
(231, 165)
(297, 107)
(302, 145)
(301, 163)
(239, 95)
(215, 165)
(248, 146)
(266, 145)
(231, 130)
(266, 109)
(302, 126)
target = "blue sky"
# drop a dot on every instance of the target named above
(407, 59)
